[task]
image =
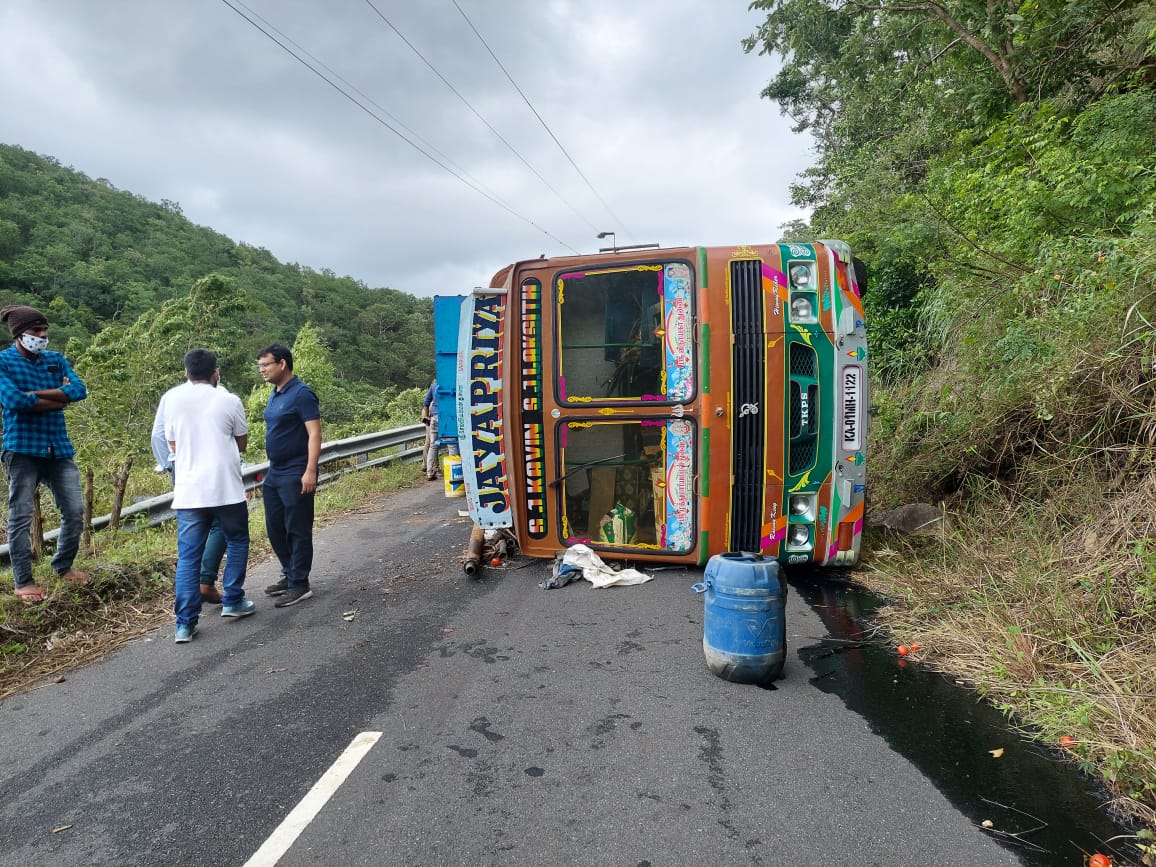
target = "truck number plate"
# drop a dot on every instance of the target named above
(851, 409)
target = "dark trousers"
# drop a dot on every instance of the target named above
(289, 524)
(25, 472)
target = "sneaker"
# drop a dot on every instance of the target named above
(292, 596)
(185, 633)
(278, 588)
(242, 609)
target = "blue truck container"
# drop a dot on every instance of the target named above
(447, 309)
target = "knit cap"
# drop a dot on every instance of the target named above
(21, 318)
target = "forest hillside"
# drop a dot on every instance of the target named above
(129, 285)
(96, 256)
(995, 166)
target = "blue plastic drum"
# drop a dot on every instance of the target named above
(744, 632)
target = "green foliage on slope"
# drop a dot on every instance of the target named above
(993, 165)
(129, 286)
(97, 256)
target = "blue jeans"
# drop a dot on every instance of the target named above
(289, 524)
(62, 477)
(193, 527)
(214, 548)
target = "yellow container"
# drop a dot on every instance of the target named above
(452, 475)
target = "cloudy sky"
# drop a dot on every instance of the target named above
(661, 133)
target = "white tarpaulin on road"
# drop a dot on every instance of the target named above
(597, 572)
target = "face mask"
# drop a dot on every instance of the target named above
(32, 343)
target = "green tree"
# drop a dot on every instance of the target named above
(980, 59)
(128, 367)
(10, 239)
(313, 363)
(954, 137)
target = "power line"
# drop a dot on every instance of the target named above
(404, 138)
(479, 116)
(545, 126)
(371, 101)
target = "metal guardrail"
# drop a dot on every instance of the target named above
(157, 510)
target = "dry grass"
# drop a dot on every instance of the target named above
(1041, 445)
(1056, 628)
(78, 625)
(112, 625)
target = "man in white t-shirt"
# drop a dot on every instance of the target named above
(215, 546)
(206, 430)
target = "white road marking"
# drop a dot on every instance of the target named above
(306, 811)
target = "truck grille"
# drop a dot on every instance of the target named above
(803, 425)
(802, 456)
(803, 363)
(748, 391)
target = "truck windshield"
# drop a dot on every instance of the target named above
(624, 334)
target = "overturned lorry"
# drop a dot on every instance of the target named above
(667, 405)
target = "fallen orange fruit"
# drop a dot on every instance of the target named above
(497, 561)
(1099, 860)
(1067, 742)
(901, 650)
(915, 648)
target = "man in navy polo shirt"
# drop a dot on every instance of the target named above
(293, 445)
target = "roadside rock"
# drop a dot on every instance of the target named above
(915, 519)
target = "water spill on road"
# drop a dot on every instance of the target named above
(1050, 810)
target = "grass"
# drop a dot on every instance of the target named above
(1034, 429)
(1053, 626)
(131, 593)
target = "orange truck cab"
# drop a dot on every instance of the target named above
(666, 405)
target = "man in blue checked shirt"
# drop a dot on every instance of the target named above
(36, 384)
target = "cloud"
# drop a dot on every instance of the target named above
(653, 100)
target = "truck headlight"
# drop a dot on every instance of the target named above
(801, 506)
(799, 537)
(802, 308)
(802, 276)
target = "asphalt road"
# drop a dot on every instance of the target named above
(518, 727)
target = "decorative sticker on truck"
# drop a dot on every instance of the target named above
(775, 285)
(480, 421)
(774, 531)
(678, 527)
(531, 379)
(677, 323)
(645, 314)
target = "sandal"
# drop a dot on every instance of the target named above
(29, 593)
